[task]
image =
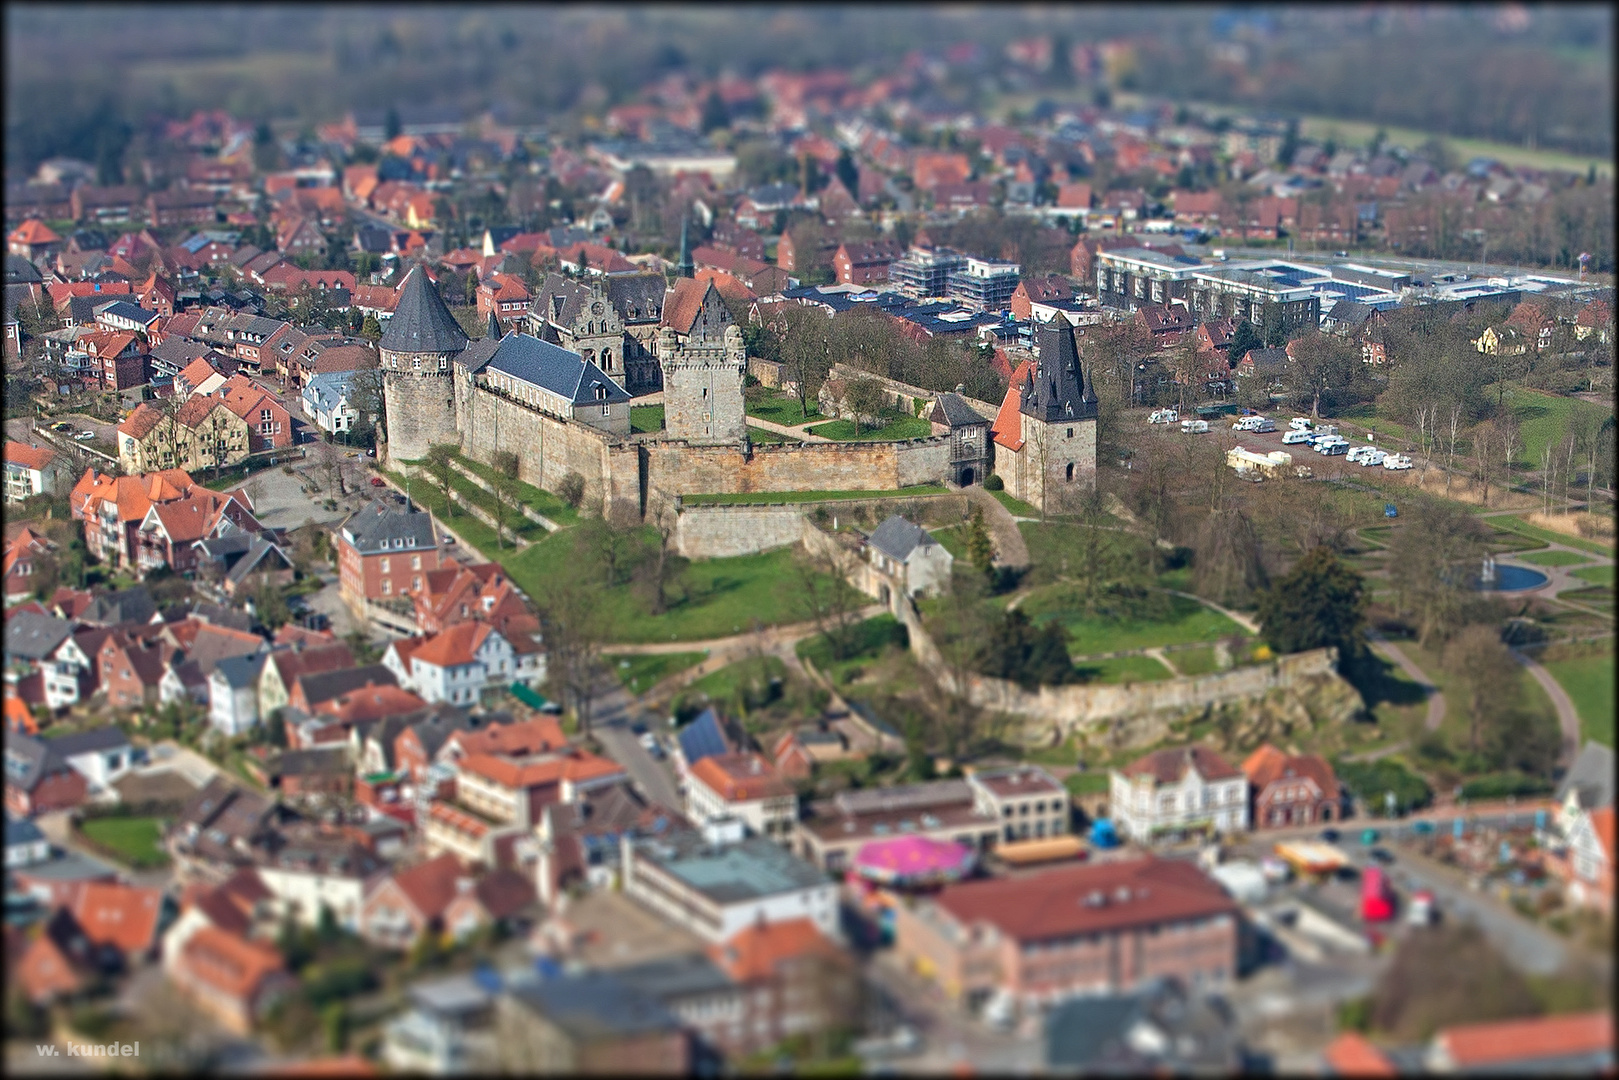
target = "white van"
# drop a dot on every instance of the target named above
(1396, 461)
(1194, 427)
(1297, 435)
(1301, 423)
(1265, 424)
(1164, 416)
(1357, 452)
(1336, 448)
(1374, 457)
(1247, 423)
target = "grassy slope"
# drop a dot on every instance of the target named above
(1599, 575)
(1589, 682)
(1543, 419)
(783, 410)
(1124, 669)
(641, 673)
(1189, 621)
(137, 839)
(1555, 558)
(905, 427)
(1509, 523)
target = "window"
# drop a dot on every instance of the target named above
(387, 587)
(385, 565)
(415, 562)
(1070, 433)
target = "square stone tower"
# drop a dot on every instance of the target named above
(704, 364)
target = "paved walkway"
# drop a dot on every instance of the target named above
(1010, 550)
(1568, 718)
(793, 432)
(1244, 621)
(1436, 700)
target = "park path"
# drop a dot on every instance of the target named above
(794, 432)
(1010, 550)
(1436, 700)
(1237, 617)
(1568, 718)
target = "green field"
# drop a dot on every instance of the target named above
(1509, 523)
(904, 427)
(640, 673)
(136, 841)
(869, 639)
(954, 540)
(1018, 507)
(1555, 558)
(783, 410)
(724, 685)
(1597, 575)
(756, 498)
(1199, 661)
(1589, 683)
(722, 596)
(1543, 420)
(1123, 669)
(646, 418)
(1188, 621)
(1597, 596)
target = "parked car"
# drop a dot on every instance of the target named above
(1303, 472)
(447, 539)
(1301, 423)
(1382, 855)
(1330, 836)
(1164, 416)
(1396, 461)
(1194, 427)
(377, 481)
(1373, 457)
(85, 436)
(62, 427)
(1296, 435)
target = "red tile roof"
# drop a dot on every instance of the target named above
(33, 231)
(1351, 1055)
(29, 457)
(577, 767)
(741, 777)
(370, 703)
(453, 646)
(1098, 898)
(1267, 765)
(228, 964)
(430, 885)
(121, 915)
(1008, 426)
(132, 495)
(1167, 766)
(753, 955)
(1506, 1042)
(538, 735)
(684, 303)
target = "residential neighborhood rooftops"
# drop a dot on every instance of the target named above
(377, 529)
(741, 777)
(1573, 1041)
(31, 636)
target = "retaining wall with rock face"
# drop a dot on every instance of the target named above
(710, 532)
(1064, 710)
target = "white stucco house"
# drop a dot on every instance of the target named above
(1178, 790)
(457, 663)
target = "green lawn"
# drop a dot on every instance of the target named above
(1018, 507)
(646, 418)
(470, 528)
(761, 435)
(1597, 596)
(870, 638)
(1589, 682)
(1053, 545)
(1597, 575)
(1087, 783)
(722, 596)
(1187, 622)
(903, 427)
(552, 506)
(1199, 661)
(1509, 523)
(1543, 420)
(1122, 669)
(782, 409)
(1555, 558)
(724, 685)
(754, 498)
(137, 841)
(954, 540)
(641, 673)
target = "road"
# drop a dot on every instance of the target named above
(612, 710)
(950, 1039)
(1567, 718)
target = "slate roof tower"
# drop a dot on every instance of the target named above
(417, 350)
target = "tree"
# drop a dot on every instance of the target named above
(1273, 325)
(1228, 566)
(1432, 556)
(611, 548)
(334, 1019)
(826, 598)
(806, 350)
(1491, 678)
(1447, 975)
(1244, 338)
(390, 124)
(1320, 603)
(980, 548)
(572, 489)
(1325, 368)
(1031, 656)
(507, 496)
(715, 114)
(661, 570)
(864, 398)
(271, 606)
(370, 328)
(440, 460)
(573, 624)
(848, 173)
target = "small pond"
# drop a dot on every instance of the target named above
(1509, 578)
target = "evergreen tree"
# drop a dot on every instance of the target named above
(371, 329)
(1244, 338)
(980, 548)
(391, 125)
(850, 175)
(715, 114)
(1319, 603)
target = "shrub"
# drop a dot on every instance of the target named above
(1501, 785)
(572, 489)
(994, 483)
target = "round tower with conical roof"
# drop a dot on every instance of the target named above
(418, 351)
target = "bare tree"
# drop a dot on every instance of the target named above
(659, 572)
(1484, 441)
(572, 620)
(827, 598)
(1431, 554)
(506, 491)
(440, 460)
(1450, 451)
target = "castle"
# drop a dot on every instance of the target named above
(557, 395)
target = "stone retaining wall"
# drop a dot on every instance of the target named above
(708, 532)
(1066, 709)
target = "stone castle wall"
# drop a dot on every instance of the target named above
(675, 468)
(421, 412)
(707, 532)
(1040, 469)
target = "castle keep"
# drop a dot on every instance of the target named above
(558, 398)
